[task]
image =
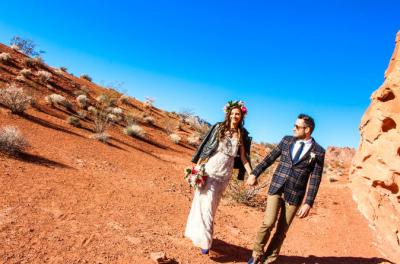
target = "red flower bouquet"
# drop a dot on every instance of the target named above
(196, 176)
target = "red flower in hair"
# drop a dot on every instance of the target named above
(244, 110)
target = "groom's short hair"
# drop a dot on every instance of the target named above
(308, 120)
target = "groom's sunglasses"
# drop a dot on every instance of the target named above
(298, 127)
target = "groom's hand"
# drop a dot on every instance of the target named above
(304, 210)
(251, 180)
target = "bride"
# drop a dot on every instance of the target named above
(226, 146)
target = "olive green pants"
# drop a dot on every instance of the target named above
(274, 204)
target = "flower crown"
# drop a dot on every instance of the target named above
(239, 104)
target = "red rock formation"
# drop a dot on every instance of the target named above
(375, 173)
(338, 163)
(342, 155)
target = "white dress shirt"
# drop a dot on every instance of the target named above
(307, 146)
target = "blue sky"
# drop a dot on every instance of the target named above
(323, 58)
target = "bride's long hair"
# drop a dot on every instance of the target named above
(226, 124)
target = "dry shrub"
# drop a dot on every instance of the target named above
(44, 76)
(149, 120)
(55, 99)
(25, 72)
(194, 139)
(72, 120)
(175, 138)
(86, 77)
(15, 99)
(238, 192)
(12, 141)
(34, 62)
(124, 99)
(82, 100)
(20, 78)
(5, 57)
(103, 137)
(149, 102)
(134, 131)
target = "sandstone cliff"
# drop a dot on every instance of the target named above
(375, 172)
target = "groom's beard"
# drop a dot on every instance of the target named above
(300, 137)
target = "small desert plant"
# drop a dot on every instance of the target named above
(44, 76)
(134, 131)
(64, 69)
(15, 99)
(186, 113)
(57, 99)
(20, 78)
(179, 125)
(237, 192)
(114, 118)
(117, 111)
(82, 100)
(73, 120)
(101, 121)
(32, 62)
(25, 72)
(12, 141)
(192, 121)
(124, 99)
(92, 110)
(86, 77)
(149, 102)
(54, 99)
(103, 137)
(194, 139)
(175, 138)
(149, 120)
(5, 57)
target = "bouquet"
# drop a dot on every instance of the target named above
(196, 176)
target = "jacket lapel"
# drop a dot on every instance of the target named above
(290, 148)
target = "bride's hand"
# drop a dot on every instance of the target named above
(251, 180)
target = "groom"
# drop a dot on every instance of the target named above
(301, 160)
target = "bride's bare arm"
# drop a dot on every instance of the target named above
(245, 162)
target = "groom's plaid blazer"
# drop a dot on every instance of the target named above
(293, 178)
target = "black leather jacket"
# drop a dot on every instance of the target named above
(210, 144)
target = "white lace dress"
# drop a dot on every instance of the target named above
(199, 227)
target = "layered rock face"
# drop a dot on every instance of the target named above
(375, 172)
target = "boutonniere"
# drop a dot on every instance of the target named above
(312, 157)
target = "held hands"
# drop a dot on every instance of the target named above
(304, 210)
(251, 180)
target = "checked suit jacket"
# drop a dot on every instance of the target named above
(291, 177)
